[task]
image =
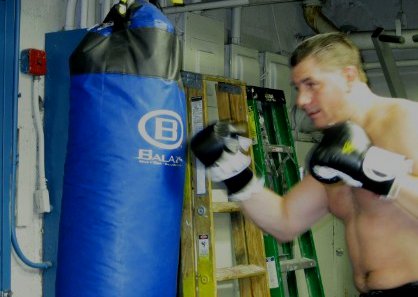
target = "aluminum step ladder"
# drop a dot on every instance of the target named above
(276, 160)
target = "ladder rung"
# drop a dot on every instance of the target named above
(239, 271)
(296, 264)
(270, 148)
(225, 207)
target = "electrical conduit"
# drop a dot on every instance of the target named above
(41, 192)
(15, 243)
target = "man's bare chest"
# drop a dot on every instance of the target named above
(346, 202)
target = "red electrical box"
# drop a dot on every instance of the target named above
(33, 61)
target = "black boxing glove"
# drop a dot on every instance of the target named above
(346, 153)
(219, 147)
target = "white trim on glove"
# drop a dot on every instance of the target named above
(256, 185)
(329, 173)
(381, 165)
(229, 165)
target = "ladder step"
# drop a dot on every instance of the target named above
(296, 264)
(239, 271)
(225, 207)
(275, 148)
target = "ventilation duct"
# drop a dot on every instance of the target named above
(319, 23)
(316, 19)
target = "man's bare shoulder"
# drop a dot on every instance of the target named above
(402, 115)
(393, 126)
(395, 109)
(403, 105)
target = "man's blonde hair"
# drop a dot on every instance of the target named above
(331, 50)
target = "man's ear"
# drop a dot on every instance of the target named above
(350, 73)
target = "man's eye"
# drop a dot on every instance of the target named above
(311, 85)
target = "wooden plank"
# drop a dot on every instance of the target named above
(224, 112)
(237, 220)
(203, 223)
(238, 108)
(188, 275)
(256, 255)
(253, 235)
(188, 255)
(240, 250)
(238, 272)
(225, 207)
(199, 274)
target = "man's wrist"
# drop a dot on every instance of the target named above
(254, 186)
(237, 182)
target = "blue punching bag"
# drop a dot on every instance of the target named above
(125, 165)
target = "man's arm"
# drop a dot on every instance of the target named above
(403, 125)
(287, 217)
(218, 147)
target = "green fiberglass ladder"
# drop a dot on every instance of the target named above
(275, 159)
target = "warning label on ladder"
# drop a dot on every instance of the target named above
(203, 245)
(272, 272)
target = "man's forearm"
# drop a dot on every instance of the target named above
(266, 210)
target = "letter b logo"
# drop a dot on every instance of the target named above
(167, 127)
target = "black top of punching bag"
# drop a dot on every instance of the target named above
(142, 42)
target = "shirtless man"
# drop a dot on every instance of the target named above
(364, 171)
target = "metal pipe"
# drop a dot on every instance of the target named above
(236, 25)
(70, 15)
(84, 13)
(316, 20)
(195, 2)
(205, 6)
(312, 11)
(10, 76)
(104, 9)
(221, 4)
(392, 38)
(91, 16)
(403, 63)
(364, 42)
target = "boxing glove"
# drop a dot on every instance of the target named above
(346, 153)
(220, 148)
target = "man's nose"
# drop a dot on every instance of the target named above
(303, 99)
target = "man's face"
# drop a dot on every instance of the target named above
(321, 92)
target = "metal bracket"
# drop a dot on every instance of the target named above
(387, 62)
(228, 88)
(271, 148)
(192, 80)
(297, 264)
